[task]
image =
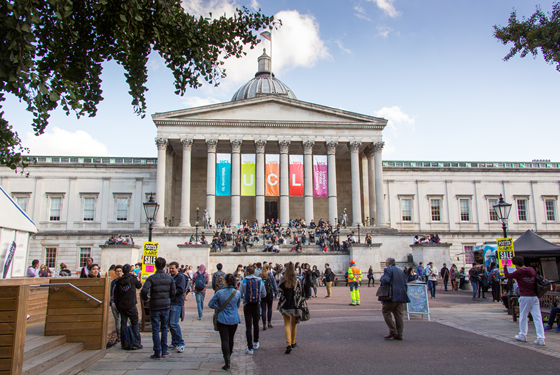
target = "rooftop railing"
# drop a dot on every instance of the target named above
(93, 160)
(470, 165)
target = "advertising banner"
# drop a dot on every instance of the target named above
(149, 256)
(320, 183)
(248, 184)
(296, 175)
(223, 175)
(505, 254)
(8, 259)
(272, 175)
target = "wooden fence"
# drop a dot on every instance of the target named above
(13, 320)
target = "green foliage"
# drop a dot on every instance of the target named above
(51, 53)
(529, 35)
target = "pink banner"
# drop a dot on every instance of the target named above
(296, 175)
(320, 183)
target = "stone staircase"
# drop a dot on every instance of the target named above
(54, 356)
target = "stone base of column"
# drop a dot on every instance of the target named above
(185, 225)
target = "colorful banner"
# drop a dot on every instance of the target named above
(320, 183)
(505, 254)
(223, 175)
(149, 257)
(272, 175)
(248, 184)
(296, 175)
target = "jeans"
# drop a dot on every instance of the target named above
(117, 317)
(199, 302)
(432, 287)
(267, 303)
(526, 305)
(553, 312)
(371, 280)
(174, 328)
(445, 281)
(132, 315)
(159, 322)
(496, 290)
(474, 288)
(252, 312)
(227, 334)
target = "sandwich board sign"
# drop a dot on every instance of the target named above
(418, 296)
(505, 254)
(149, 256)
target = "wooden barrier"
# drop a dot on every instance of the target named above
(70, 314)
(13, 321)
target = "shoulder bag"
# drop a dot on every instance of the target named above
(218, 311)
(385, 291)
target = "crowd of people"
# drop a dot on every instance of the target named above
(432, 238)
(127, 240)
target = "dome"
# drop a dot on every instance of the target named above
(263, 83)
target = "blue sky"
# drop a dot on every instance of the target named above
(431, 67)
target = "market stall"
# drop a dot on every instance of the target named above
(540, 254)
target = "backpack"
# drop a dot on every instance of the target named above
(268, 287)
(542, 285)
(219, 281)
(252, 287)
(331, 276)
(200, 282)
(128, 341)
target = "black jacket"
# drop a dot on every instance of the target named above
(180, 284)
(161, 288)
(124, 293)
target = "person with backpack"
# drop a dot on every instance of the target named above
(201, 279)
(124, 297)
(528, 300)
(177, 307)
(329, 278)
(266, 303)
(252, 290)
(474, 279)
(218, 278)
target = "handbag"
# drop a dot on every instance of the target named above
(305, 315)
(385, 293)
(217, 312)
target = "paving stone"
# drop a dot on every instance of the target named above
(99, 366)
(147, 372)
(191, 372)
(155, 365)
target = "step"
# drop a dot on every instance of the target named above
(41, 344)
(42, 363)
(77, 363)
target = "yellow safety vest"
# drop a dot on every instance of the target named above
(354, 274)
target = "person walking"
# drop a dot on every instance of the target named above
(124, 297)
(226, 301)
(315, 274)
(354, 278)
(252, 290)
(420, 272)
(218, 278)
(432, 275)
(329, 278)
(370, 277)
(177, 306)
(307, 280)
(160, 288)
(200, 280)
(444, 274)
(266, 303)
(482, 281)
(396, 278)
(474, 278)
(528, 300)
(289, 305)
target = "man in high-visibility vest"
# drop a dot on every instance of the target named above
(354, 278)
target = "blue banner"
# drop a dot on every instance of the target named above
(223, 175)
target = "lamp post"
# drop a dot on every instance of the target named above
(196, 224)
(358, 232)
(502, 210)
(151, 208)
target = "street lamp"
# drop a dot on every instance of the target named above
(151, 208)
(196, 224)
(502, 210)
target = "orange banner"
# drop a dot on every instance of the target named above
(272, 175)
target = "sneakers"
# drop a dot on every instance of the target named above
(171, 346)
(521, 338)
(557, 329)
(288, 349)
(155, 356)
(249, 351)
(539, 342)
(164, 354)
(294, 345)
(180, 349)
(137, 347)
(270, 325)
(256, 345)
(548, 328)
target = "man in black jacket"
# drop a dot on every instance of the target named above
(177, 304)
(397, 278)
(161, 288)
(124, 296)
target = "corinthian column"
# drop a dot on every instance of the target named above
(308, 179)
(355, 168)
(161, 144)
(260, 145)
(211, 144)
(331, 161)
(186, 184)
(379, 196)
(235, 181)
(284, 183)
(371, 182)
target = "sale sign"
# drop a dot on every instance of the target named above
(505, 254)
(272, 175)
(149, 256)
(320, 183)
(296, 175)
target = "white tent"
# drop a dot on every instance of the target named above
(15, 227)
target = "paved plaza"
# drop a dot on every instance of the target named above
(462, 337)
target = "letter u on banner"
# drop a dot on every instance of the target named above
(248, 184)
(223, 175)
(296, 175)
(272, 175)
(320, 181)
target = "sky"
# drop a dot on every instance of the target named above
(431, 67)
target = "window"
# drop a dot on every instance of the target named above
(550, 209)
(469, 255)
(406, 206)
(89, 209)
(122, 209)
(522, 209)
(56, 204)
(491, 210)
(85, 252)
(50, 257)
(436, 209)
(465, 206)
(22, 202)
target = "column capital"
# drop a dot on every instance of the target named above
(331, 147)
(187, 144)
(236, 145)
(162, 143)
(260, 145)
(354, 147)
(284, 146)
(378, 146)
(368, 151)
(307, 147)
(211, 144)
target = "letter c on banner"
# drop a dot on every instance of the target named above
(245, 180)
(269, 179)
(294, 183)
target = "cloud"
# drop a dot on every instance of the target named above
(383, 31)
(60, 142)
(341, 46)
(196, 101)
(255, 4)
(361, 13)
(397, 118)
(204, 7)
(387, 7)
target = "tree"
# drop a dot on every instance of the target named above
(52, 53)
(537, 32)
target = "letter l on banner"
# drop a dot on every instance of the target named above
(296, 175)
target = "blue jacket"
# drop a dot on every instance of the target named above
(180, 285)
(399, 287)
(420, 271)
(262, 289)
(230, 314)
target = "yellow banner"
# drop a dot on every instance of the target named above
(248, 185)
(505, 254)
(149, 257)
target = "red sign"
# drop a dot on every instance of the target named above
(296, 175)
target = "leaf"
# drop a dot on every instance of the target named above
(43, 89)
(123, 17)
(53, 96)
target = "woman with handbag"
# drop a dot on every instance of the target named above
(290, 304)
(226, 302)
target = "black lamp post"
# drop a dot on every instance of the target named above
(196, 224)
(502, 210)
(358, 232)
(151, 208)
